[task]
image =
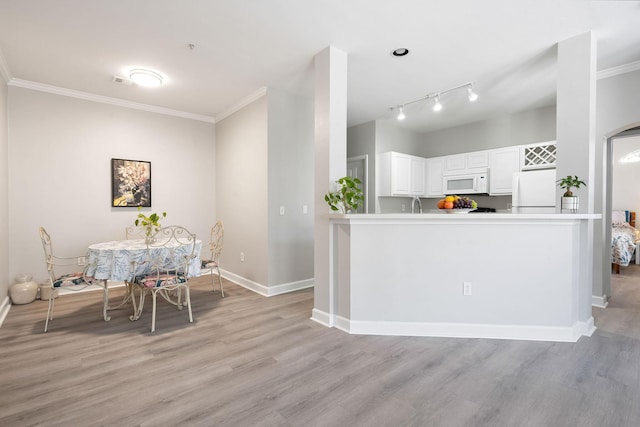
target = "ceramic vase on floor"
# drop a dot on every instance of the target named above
(24, 290)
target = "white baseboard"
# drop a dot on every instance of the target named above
(462, 330)
(598, 301)
(4, 309)
(267, 291)
(321, 317)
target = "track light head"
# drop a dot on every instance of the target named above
(472, 95)
(436, 105)
(401, 115)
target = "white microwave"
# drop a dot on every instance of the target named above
(474, 183)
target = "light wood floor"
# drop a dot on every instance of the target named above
(254, 361)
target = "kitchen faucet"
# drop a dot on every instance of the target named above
(413, 202)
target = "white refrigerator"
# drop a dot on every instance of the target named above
(534, 191)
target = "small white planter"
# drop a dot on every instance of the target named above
(570, 204)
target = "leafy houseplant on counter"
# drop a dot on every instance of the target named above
(348, 196)
(150, 223)
(569, 201)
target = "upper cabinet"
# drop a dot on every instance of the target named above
(459, 164)
(504, 162)
(538, 156)
(400, 174)
(435, 169)
(478, 159)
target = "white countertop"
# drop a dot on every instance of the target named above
(501, 215)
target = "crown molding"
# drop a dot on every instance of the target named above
(5, 72)
(622, 69)
(107, 100)
(242, 103)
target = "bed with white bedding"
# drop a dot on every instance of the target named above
(624, 239)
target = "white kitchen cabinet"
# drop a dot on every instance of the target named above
(435, 169)
(460, 164)
(455, 164)
(538, 156)
(478, 159)
(400, 174)
(504, 162)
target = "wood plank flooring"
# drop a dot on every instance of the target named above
(248, 360)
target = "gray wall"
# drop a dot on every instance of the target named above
(392, 138)
(291, 151)
(60, 152)
(265, 153)
(525, 127)
(242, 190)
(362, 141)
(5, 277)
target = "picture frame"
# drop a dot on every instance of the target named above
(130, 183)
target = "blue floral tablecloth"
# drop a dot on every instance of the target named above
(114, 260)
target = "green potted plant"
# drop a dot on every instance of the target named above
(348, 196)
(569, 201)
(150, 223)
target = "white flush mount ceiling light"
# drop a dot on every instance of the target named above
(436, 96)
(145, 77)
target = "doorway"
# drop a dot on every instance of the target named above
(621, 197)
(357, 167)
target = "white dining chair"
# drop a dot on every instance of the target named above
(215, 246)
(76, 280)
(170, 251)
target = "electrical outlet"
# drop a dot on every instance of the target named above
(466, 288)
(242, 256)
(82, 260)
(305, 209)
(404, 207)
(281, 210)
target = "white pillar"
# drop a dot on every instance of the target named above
(576, 113)
(575, 135)
(330, 164)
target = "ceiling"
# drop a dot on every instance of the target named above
(507, 48)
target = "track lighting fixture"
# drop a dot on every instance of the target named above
(401, 115)
(472, 95)
(437, 106)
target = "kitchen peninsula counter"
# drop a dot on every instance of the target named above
(483, 275)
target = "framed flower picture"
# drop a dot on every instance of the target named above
(130, 183)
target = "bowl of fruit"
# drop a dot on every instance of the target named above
(457, 204)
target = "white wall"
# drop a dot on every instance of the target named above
(617, 109)
(60, 152)
(5, 277)
(626, 176)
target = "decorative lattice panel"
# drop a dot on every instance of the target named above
(539, 156)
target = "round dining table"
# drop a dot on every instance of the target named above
(114, 262)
